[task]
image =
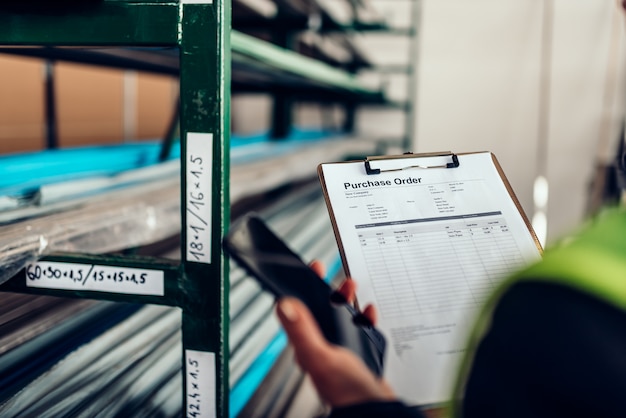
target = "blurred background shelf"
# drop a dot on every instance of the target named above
(292, 54)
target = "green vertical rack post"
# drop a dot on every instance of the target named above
(200, 29)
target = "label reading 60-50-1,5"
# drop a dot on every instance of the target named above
(70, 276)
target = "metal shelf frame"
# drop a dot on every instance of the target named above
(198, 285)
(256, 65)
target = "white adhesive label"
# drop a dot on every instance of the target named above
(198, 201)
(201, 386)
(197, 1)
(71, 276)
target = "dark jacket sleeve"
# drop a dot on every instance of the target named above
(377, 410)
(551, 351)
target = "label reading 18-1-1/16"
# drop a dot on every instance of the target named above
(198, 201)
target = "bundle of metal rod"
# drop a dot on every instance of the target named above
(41, 312)
(107, 222)
(123, 370)
(267, 165)
(45, 340)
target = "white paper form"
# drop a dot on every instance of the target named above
(426, 247)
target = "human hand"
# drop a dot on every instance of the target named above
(340, 377)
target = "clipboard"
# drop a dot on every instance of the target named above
(427, 237)
(407, 161)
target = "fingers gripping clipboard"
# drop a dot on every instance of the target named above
(427, 237)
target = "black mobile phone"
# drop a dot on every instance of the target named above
(253, 245)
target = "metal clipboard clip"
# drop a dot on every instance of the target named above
(371, 171)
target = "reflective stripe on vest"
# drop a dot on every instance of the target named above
(593, 262)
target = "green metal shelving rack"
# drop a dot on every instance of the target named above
(200, 30)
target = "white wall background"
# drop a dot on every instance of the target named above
(479, 88)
